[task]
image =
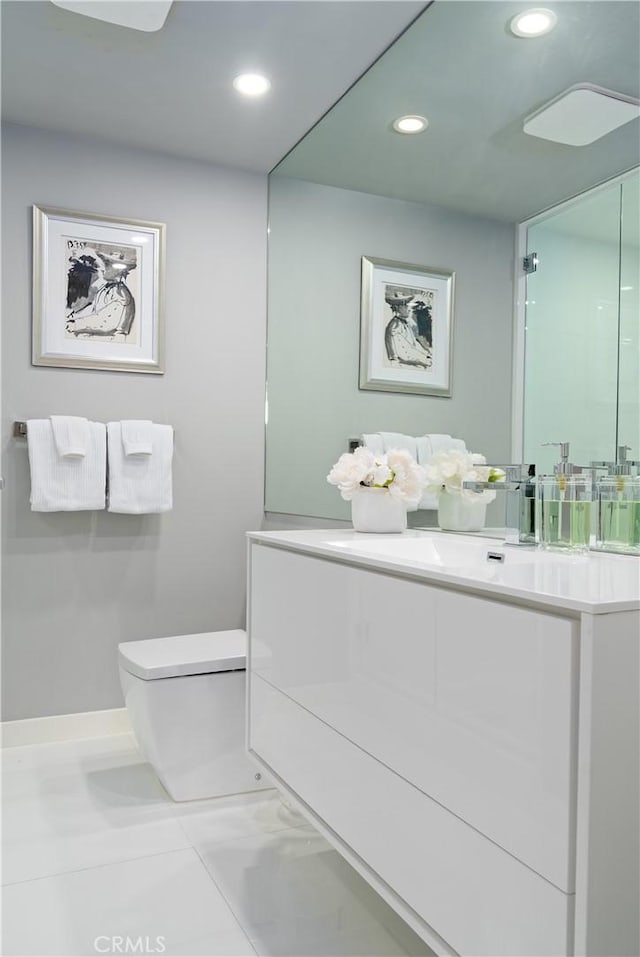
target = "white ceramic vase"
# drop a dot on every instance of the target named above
(376, 510)
(458, 514)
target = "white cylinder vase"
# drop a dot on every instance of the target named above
(376, 510)
(458, 514)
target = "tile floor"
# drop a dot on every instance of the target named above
(94, 852)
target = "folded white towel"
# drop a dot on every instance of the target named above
(374, 443)
(445, 443)
(137, 436)
(70, 434)
(66, 483)
(139, 484)
(397, 440)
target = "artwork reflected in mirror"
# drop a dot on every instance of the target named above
(405, 328)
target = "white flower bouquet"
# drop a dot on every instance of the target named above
(448, 470)
(396, 471)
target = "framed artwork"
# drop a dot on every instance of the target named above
(406, 318)
(97, 291)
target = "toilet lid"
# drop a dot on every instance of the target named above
(185, 654)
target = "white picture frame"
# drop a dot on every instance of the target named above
(97, 291)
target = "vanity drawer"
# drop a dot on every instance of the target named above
(470, 700)
(476, 896)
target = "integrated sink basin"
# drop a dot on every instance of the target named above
(445, 551)
(580, 578)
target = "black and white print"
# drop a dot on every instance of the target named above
(408, 330)
(102, 291)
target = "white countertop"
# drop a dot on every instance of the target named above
(593, 582)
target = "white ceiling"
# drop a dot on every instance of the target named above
(171, 90)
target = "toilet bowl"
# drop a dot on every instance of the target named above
(185, 696)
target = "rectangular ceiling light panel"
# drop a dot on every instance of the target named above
(581, 116)
(147, 15)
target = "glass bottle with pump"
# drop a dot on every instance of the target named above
(618, 497)
(563, 505)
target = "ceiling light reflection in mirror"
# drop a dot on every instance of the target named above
(533, 23)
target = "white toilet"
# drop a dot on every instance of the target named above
(186, 701)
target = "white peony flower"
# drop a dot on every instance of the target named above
(396, 471)
(447, 471)
(381, 475)
(410, 479)
(351, 470)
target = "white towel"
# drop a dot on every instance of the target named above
(397, 440)
(137, 436)
(70, 434)
(139, 484)
(66, 483)
(374, 443)
(445, 443)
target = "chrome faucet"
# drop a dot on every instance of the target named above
(520, 505)
(621, 466)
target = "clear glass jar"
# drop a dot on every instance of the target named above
(563, 511)
(619, 514)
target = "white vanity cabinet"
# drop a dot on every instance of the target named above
(449, 732)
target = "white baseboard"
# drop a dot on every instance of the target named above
(64, 727)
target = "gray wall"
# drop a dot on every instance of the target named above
(318, 235)
(76, 584)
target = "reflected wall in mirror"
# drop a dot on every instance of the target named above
(450, 198)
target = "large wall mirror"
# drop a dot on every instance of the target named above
(452, 198)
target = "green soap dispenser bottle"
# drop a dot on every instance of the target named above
(563, 506)
(618, 497)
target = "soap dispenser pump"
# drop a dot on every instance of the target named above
(564, 466)
(563, 512)
(618, 497)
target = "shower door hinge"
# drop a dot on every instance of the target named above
(530, 263)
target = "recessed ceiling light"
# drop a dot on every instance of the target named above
(533, 23)
(251, 84)
(410, 124)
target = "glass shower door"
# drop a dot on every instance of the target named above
(629, 348)
(571, 332)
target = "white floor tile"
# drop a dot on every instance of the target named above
(240, 815)
(95, 848)
(295, 897)
(78, 804)
(216, 945)
(169, 896)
